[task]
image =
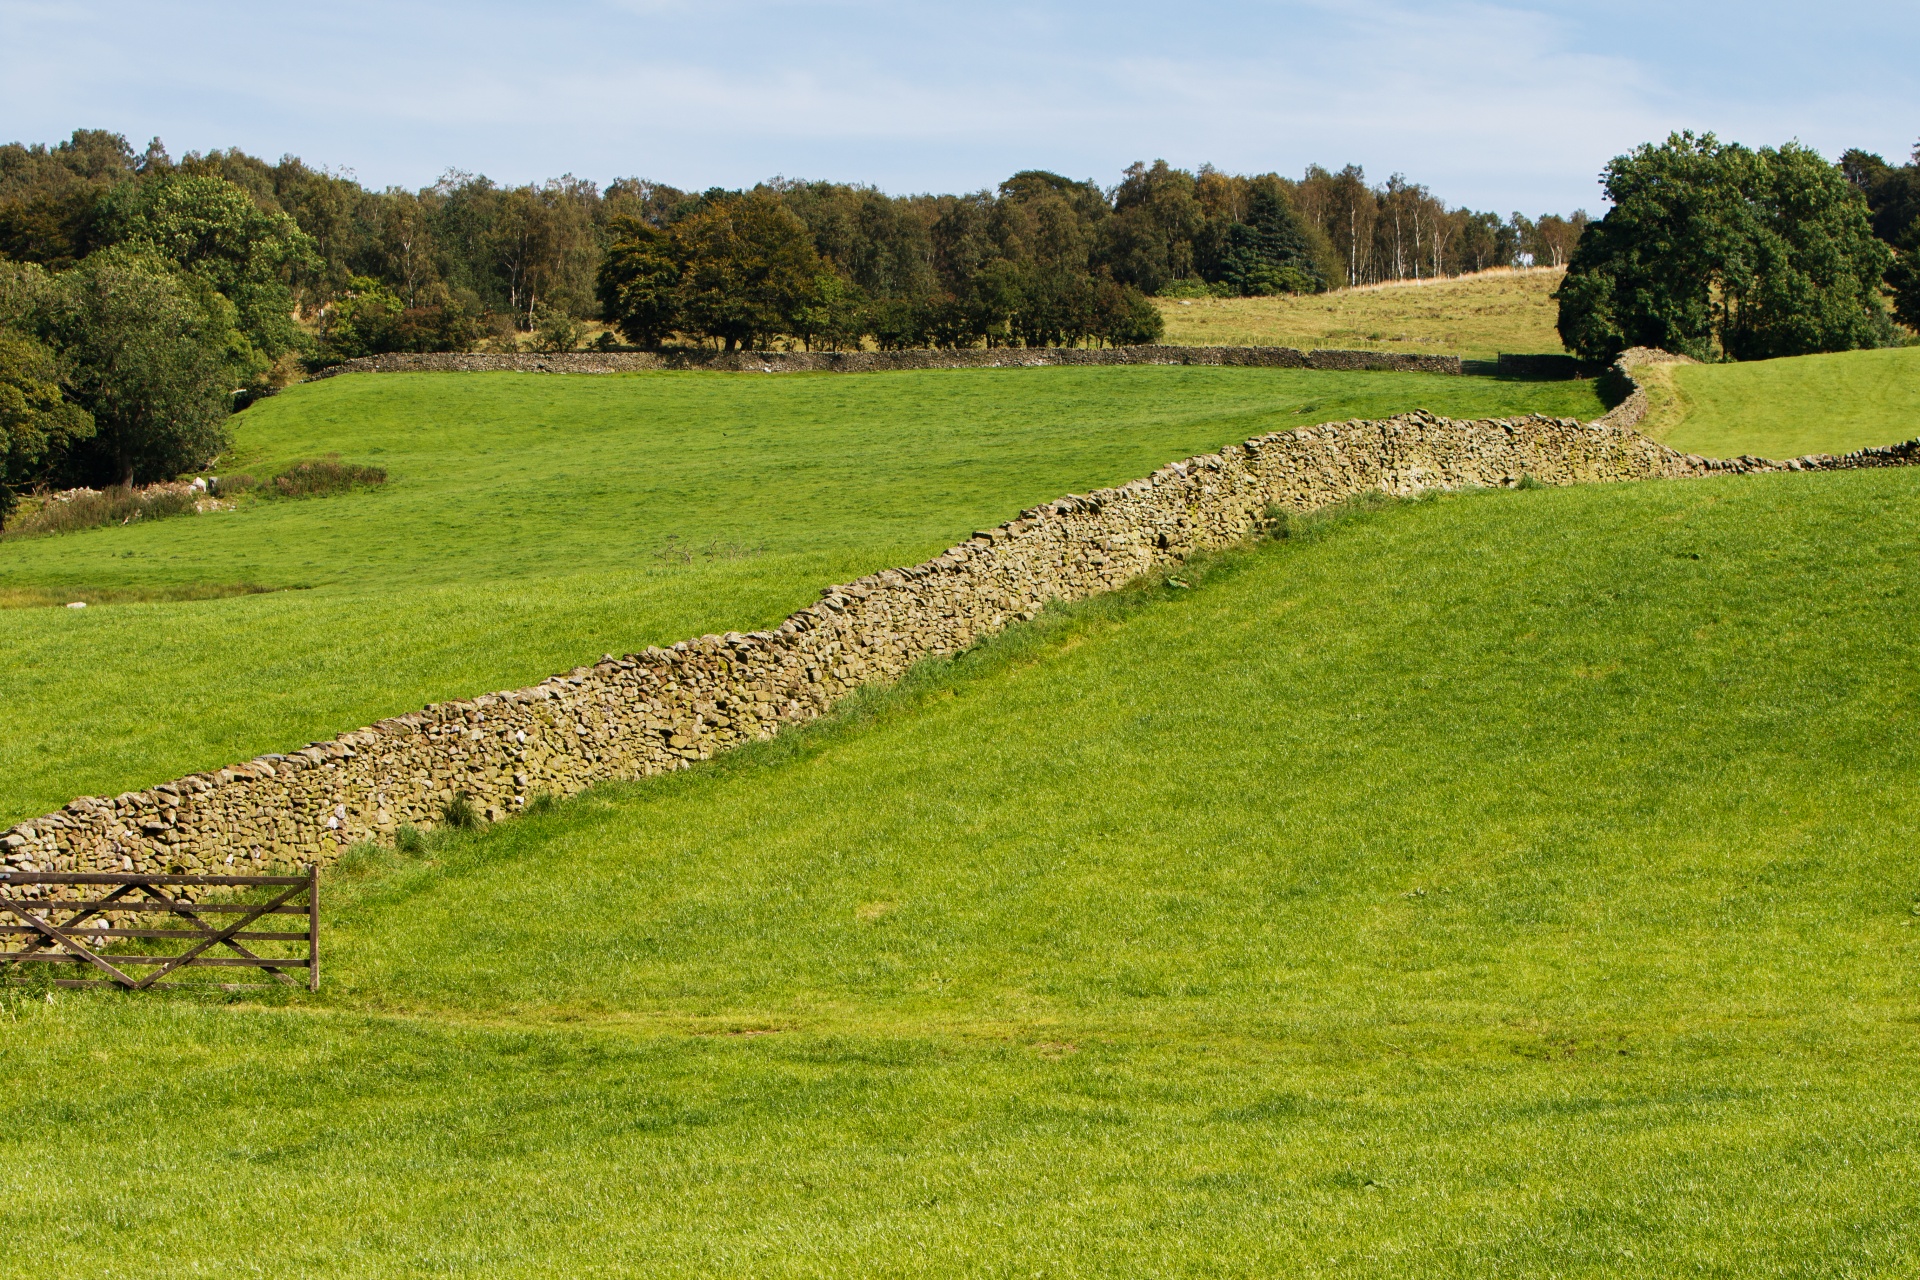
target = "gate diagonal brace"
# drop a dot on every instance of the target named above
(54, 933)
(210, 938)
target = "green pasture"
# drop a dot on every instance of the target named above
(1498, 884)
(1807, 404)
(534, 522)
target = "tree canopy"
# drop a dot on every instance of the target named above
(1712, 249)
(38, 424)
(214, 229)
(152, 354)
(1893, 200)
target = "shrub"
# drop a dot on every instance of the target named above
(1193, 287)
(230, 486)
(555, 330)
(1123, 317)
(362, 320)
(323, 477)
(370, 319)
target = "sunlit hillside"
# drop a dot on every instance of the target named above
(1475, 316)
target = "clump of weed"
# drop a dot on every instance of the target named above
(556, 330)
(91, 508)
(360, 859)
(230, 486)
(410, 840)
(542, 802)
(324, 477)
(460, 813)
(1283, 525)
(1528, 482)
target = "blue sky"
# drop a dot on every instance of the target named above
(1497, 105)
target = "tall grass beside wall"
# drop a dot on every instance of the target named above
(92, 508)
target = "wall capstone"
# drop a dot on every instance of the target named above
(663, 709)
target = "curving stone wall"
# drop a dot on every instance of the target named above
(880, 361)
(663, 709)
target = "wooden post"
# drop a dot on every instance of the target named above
(313, 927)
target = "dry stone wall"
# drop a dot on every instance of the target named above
(664, 709)
(880, 361)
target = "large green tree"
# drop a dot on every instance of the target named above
(748, 269)
(152, 353)
(1149, 240)
(639, 282)
(1269, 252)
(1903, 278)
(1712, 249)
(740, 270)
(38, 424)
(1893, 196)
(210, 227)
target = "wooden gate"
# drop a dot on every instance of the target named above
(78, 930)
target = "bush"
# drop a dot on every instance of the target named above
(230, 486)
(362, 320)
(555, 330)
(1123, 317)
(324, 477)
(370, 319)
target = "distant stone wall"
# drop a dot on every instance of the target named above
(879, 361)
(663, 709)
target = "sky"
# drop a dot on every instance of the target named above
(1502, 106)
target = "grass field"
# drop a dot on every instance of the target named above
(1787, 408)
(1503, 884)
(1474, 316)
(534, 522)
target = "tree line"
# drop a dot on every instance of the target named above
(140, 295)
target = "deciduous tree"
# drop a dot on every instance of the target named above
(211, 228)
(1711, 249)
(38, 423)
(153, 355)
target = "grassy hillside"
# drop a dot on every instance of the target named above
(1474, 316)
(1511, 883)
(1786, 408)
(534, 522)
